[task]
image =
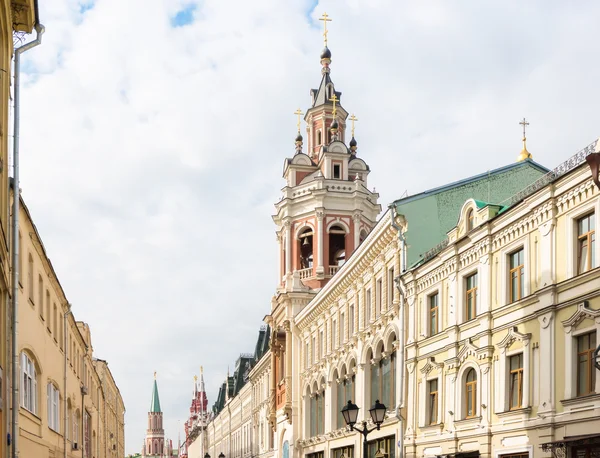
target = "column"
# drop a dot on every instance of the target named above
(288, 366)
(547, 356)
(288, 246)
(320, 244)
(356, 220)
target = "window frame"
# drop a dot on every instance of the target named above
(591, 369)
(519, 374)
(53, 409)
(29, 373)
(433, 402)
(472, 292)
(591, 244)
(472, 385)
(430, 314)
(573, 215)
(520, 271)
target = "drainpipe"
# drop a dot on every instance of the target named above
(39, 28)
(65, 343)
(398, 281)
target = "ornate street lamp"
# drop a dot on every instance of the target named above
(350, 414)
(206, 455)
(221, 455)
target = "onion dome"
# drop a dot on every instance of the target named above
(334, 124)
(326, 53)
(298, 143)
(299, 138)
(353, 145)
(524, 153)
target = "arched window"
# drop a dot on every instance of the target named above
(470, 220)
(337, 246)
(29, 394)
(305, 241)
(69, 420)
(76, 422)
(319, 138)
(48, 318)
(41, 294)
(470, 394)
(30, 277)
(317, 413)
(363, 236)
(55, 323)
(53, 407)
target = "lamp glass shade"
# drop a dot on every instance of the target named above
(221, 455)
(350, 413)
(206, 455)
(377, 412)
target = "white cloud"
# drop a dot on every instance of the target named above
(151, 155)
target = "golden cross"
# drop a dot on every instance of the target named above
(298, 113)
(524, 123)
(334, 99)
(325, 19)
(353, 119)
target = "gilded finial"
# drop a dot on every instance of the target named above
(201, 370)
(334, 99)
(353, 119)
(524, 153)
(298, 113)
(154, 375)
(195, 378)
(325, 19)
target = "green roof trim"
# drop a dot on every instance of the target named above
(432, 214)
(155, 405)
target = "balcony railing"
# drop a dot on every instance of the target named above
(333, 269)
(305, 273)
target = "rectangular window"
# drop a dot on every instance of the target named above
(346, 452)
(29, 384)
(390, 288)
(432, 407)
(367, 307)
(586, 243)
(337, 171)
(321, 349)
(40, 293)
(312, 350)
(471, 297)
(48, 315)
(30, 277)
(53, 408)
(517, 274)
(342, 328)
(586, 371)
(515, 394)
(378, 291)
(433, 314)
(306, 360)
(386, 445)
(334, 342)
(383, 382)
(351, 320)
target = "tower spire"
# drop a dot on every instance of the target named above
(155, 404)
(524, 153)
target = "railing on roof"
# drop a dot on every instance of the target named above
(573, 162)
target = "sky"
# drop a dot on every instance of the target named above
(153, 135)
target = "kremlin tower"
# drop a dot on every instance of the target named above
(199, 416)
(155, 444)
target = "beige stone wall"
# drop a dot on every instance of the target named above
(558, 305)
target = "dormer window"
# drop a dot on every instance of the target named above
(337, 171)
(470, 220)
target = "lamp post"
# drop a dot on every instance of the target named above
(350, 414)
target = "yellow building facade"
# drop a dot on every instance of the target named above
(15, 16)
(502, 327)
(69, 403)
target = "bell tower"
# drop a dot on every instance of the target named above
(325, 212)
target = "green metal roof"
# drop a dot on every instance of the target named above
(155, 405)
(431, 214)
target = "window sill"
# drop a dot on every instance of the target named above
(31, 302)
(432, 428)
(523, 411)
(28, 414)
(468, 421)
(592, 397)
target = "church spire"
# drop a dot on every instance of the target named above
(155, 404)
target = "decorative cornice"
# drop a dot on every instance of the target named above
(583, 311)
